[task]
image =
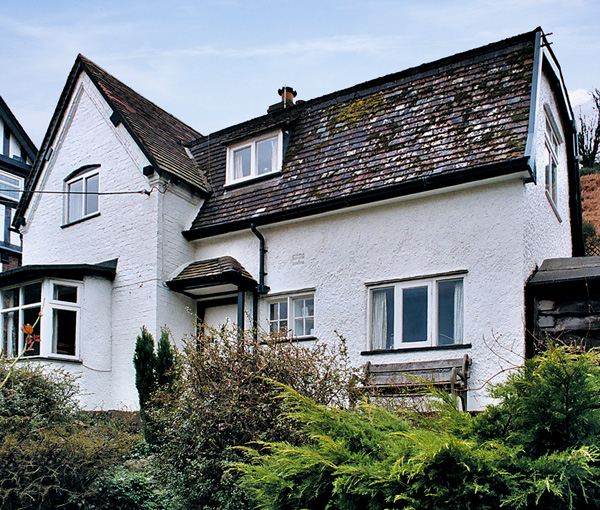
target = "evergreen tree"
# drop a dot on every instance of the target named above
(144, 361)
(165, 359)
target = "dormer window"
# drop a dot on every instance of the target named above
(254, 158)
(82, 193)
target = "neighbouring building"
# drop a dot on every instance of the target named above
(406, 213)
(17, 154)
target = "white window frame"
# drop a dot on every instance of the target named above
(291, 300)
(9, 190)
(553, 140)
(82, 213)
(252, 144)
(46, 324)
(431, 284)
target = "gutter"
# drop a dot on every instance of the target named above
(428, 183)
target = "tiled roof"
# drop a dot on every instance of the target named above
(449, 118)
(160, 134)
(212, 271)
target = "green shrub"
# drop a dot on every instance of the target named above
(224, 399)
(50, 452)
(132, 486)
(537, 449)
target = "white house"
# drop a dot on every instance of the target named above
(405, 213)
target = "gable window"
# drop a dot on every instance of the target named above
(550, 161)
(293, 316)
(82, 195)
(57, 330)
(420, 313)
(254, 158)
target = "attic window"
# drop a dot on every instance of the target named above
(254, 158)
(82, 194)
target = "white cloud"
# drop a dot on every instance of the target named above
(579, 97)
(341, 44)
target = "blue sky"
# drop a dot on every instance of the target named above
(214, 63)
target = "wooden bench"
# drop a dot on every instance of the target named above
(452, 374)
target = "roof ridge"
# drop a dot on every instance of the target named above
(389, 78)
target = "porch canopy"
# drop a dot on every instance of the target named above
(216, 280)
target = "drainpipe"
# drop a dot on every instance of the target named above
(261, 288)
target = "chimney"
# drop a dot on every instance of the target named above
(287, 95)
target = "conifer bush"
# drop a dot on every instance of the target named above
(536, 449)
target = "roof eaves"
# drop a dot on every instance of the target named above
(17, 130)
(405, 188)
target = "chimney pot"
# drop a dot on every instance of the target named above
(287, 95)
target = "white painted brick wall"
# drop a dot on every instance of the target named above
(126, 229)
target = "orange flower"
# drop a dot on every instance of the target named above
(27, 329)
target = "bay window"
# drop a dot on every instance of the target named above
(57, 331)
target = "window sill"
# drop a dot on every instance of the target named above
(52, 358)
(453, 347)
(553, 205)
(85, 218)
(252, 180)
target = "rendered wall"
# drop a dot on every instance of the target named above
(478, 229)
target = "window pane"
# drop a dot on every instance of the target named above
(32, 293)
(10, 333)
(91, 197)
(30, 315)
(75, 201)
(283, 312)
(66, 293)
(309, 326)
(273, 312)
(450, 306)
(266, 151)
(304, 310)
(382, 320)
(299, 327)
(241, 163)
(64, 331)
(10, 298)
(414, 314)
